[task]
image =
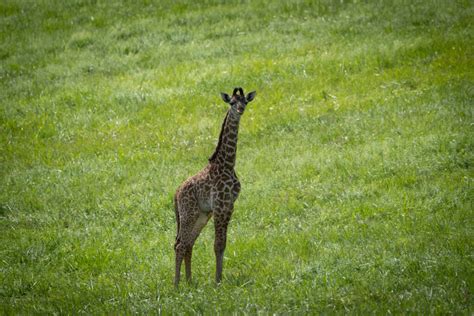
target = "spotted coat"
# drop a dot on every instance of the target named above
(211, 192)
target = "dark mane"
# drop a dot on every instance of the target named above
(214, 155)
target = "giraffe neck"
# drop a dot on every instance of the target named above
(226, 149)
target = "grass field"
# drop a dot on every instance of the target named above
(356, 157)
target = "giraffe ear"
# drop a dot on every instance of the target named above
(251, 96)
(225, 97)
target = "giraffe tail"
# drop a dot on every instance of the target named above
(177, 216)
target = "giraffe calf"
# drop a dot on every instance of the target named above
(211, 192)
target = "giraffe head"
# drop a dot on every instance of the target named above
(238, 101)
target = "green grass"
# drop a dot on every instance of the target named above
(356, 157)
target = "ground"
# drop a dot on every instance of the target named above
(356, 157)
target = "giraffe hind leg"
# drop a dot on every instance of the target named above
(187, 263)
(190, 226)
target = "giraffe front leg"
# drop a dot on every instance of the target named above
(219, 248)
(220, 224)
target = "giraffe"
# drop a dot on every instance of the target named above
(211, 192)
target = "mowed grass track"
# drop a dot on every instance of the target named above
(356, 157)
